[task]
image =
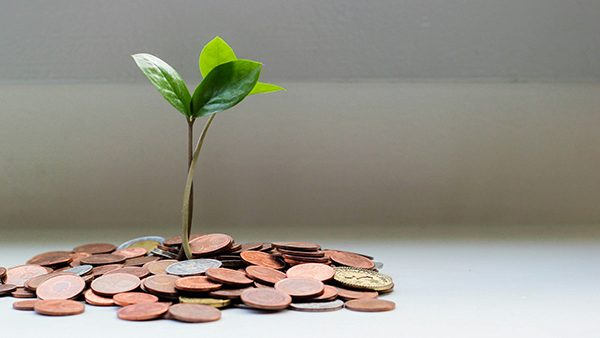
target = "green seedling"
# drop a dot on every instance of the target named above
(226, 82)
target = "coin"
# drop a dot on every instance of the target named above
(147, 242)
(346, 294)
(18, 275)
(2, 272)
(194, 313)
(218, 303)
(142, 311)
(210, 244)
(370, 305)
(192, 267)
(21, 292)
(158, 267)
(25, 305)
(138, 271)
(362, 279)
(378, 265)
(58, 307)
(162, 253)
(300, 287)
(350, 259)
(318, 306)
(132, 252)
(264, 274)
(103, 269)
(329, 293)
(196, 284)
(109, 285)
(7, 288)
(64, 286)
(130, 298)
(93, 299)
(229, 277)
(228, 293)
(103, 259)
(80, 270)
(95, 248)
(139, 261)
(51, 258)
(176, 240)
(304, 259)
(266, 299)
(315, 254)
(316, 271)
(262, 259)
(251, 246)
(299, 246)
(162, 285)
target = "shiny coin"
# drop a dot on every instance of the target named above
(318, 306)
(147, 242)
(18, 275)
(192, 267)
(370, 305)
(362, 279)
(64, 286)
(262, 259)
(299, 246)
(80, 270)
(266, 299)
(130, 298)
(158, 267)
(25, 305)
(103, 259)
(176, 240)
(93, 299)
(218, 303)
(210, 244)
(142, 311)
(229, 277)
(95, 248)
(162, 284)
(109, 285)
(7, 288)
(264, 274)
(353, 260)
(300, 287)
(196, 284)
(53, 258)
(347, 294)
(59, 307)
(132, 252)
(139, 261)
(194, 313)
(316, 271)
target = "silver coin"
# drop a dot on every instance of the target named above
(163, 253)
(378, 265)
(318, 306)
(141, 239)
(192, 267)
(80, 270)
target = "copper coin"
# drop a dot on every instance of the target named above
(65, 286)
(346, 294)
(329, 293)
(229, 277)
(132, 252)
(96, 248)
(251, 246)
(33, 283)
(264, 274)
(370, 305)
(25, 305)
(315, 254)
(162, 284)
(167, 248)
(210, 244)
(109, 285)
(176, 240)
(103, 259)
(197, 284)
(350, 259)
(264, 286)
(130, 298)
(93, 299)
(7, 288)
(262, 259)
(51, 258)
(103, 269)
(21, 292)
(139, 261)
(305, 259)
(300, 287)
(142, 311)
(228, 293)
(18, 275)
(194, 313)
(158, 267)
(266, 299)
(138, 271)
(300, 246)
(59, 307)
(316, 271)
(2, 272)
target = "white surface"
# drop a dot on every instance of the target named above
(472, 288)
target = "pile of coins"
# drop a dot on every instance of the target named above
(145, 279)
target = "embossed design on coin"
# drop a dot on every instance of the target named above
(262, 259)
(316, 271)
(370, 305)
(318, 306)
(192, 267)
(58, 307)
(95, 248)
(210, 244)
(18, 275)
(142, 311)
(64, 286)
(109, 285)
(362, 279)
(353, 260)
(266, 299)
(194, 313)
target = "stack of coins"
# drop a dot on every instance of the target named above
(143, 277)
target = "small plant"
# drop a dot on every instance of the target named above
(226, 82)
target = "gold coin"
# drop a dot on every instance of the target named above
(362, 278)
(218, 303)
(148, 245)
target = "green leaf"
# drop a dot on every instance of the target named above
(265, 88)
(216, 52)
(166, 80)
(224, 87)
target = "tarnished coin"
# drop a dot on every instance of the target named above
(318, 306)
(346, 294)
(176, 240)
(63, 286)
(139, 261)
(142, 311)
(210, 244)
(96, 248)
(132, 252)
(158, 267)
(80, 270)
(93, 299)
(25, 305)
(109, 285)
(370, 305)
(299, 246)
(228, 293)
(218, 303)
(353, 260)
(362, 279)
(192, 267)
(18, 275)
(7, 288)
(103, 259)
(316, 271)
(130, 298)
(264, 274)
(162, 284)
(262, 259)
(300, 287)
(196, 284)
(229, 277)
(59, 307)
(138, 271)
(53, 258)
(147, 242)
(266, 299)
(194, 313)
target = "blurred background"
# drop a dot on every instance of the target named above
(414, 118)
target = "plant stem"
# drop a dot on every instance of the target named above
(190, 122)
(187, 222)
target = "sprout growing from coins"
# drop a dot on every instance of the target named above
(226, 82)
